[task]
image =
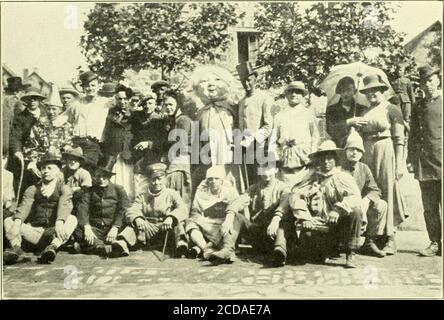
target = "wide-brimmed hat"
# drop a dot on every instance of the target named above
(87, 76)
(245, 69)
(69, 89)
(51, 157)
(373, 81)
(155, 170)
(326, 146)
(108, 89)
(426, 71)
(127, 90)
(354, 140)
(32, 92)
(159, 83)
(15, 83)
(106, 164)
(74, 153)
(297, 85)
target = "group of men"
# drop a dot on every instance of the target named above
(74, 203)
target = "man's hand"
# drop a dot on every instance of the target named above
(143, 145)
(227, 225)
(380, 206)
(60, 230)
(140, 224)
(112, 234)
(247, 141)
(14, 232)
(307, 225)
(167, 224)
(333, 217)
(33, 168)
(399, 172)
(89, 235)
(357, 122)
(273, 227)
(19, 156)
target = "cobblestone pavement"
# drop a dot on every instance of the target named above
(142, 276)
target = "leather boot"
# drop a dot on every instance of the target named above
(279, 257)
(48, 255)
(12, 255)
(390, 246)
(226, 254)
(370, 248)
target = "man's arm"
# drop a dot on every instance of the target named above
(65, 205)
(135, 210)
(24, 209)
(122, 205)
(180, 211)
(83, 207)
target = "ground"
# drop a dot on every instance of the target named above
(143, 276)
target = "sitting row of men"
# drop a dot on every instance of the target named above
(332, 205)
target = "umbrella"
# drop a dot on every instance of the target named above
(356, 70)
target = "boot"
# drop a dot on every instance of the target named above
(208, 251)
(390, 246)
(351, 261)
(181, 249)
(370, 248)
(194, 252)
(279, 257)
(225, 255)
(12, 255)
(48, 255)
(119, 249)
(434, 249)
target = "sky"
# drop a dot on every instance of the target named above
(46, 35)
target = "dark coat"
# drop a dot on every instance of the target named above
(404, 90)
(117, 137)
(425, 139)
(8, 106)
(40, 211)
(20, 131)
(336, 117)
(103, 207)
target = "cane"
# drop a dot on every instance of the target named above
(162, 258)
(22, 169)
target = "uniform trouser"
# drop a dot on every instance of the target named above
(431, 201)
(133, 236)
(39, 236)
(376, 221)
(256, 235)
(346, 230)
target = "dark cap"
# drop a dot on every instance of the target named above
(156, 170)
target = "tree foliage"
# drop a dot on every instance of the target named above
(305, 44)
(169, 36)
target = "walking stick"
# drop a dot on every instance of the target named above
(162, 258)
(22, 169)
(247, 185)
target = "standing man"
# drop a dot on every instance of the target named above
(11, 105)
(406, 97)
(340, 117)
(69, 96)
(425, 154)
(159, 88)
(255, 119)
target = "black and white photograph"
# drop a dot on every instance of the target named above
(221, 150)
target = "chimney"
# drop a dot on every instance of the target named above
(25, 74)
(35, 70)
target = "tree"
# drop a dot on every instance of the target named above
(305, 44)
(169, 36)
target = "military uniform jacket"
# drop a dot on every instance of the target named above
(426, 138)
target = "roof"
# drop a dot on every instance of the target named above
(8, 70)
(412, 44)
(39, 76)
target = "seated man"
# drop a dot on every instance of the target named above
(76, 177)
(327, 207)
(373, 207)
(101, 211)
(210, 225)
(153, 215)
(265, 232)
(44, 215)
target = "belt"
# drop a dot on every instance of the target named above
(375, 137)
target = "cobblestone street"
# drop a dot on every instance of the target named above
(143, 276)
